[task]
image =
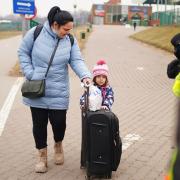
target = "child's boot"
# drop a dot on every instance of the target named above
(41, 166)
(58, 153)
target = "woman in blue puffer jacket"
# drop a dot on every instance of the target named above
(34, 57)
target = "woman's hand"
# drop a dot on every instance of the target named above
(87, 82)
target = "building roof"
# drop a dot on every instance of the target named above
(113, 2)
(160, 2)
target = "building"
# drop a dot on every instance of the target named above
(113, 12)
(97, 14)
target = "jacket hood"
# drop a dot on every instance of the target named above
(49, 30)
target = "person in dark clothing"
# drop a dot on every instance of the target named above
(173, 68)
(134, 25)
(173, 72)
(174, 170)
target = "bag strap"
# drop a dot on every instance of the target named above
(37, 31)
(71, 39)
(39, 28)
(52, 56)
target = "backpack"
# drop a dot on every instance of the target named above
(175, 41)
(39, 28)
(173, 69)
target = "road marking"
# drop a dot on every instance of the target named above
(9, 102)
(140, 68)
(129, 139)
(127, 26)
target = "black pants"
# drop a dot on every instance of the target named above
(40, 118)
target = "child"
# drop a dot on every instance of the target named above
(100, 79)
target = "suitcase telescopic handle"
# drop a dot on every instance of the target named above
(86, 107)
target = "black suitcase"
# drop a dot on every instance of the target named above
(101, 144)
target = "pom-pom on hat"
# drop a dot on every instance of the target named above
(100, 68)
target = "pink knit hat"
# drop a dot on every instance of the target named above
(101, 68)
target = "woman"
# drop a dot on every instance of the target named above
(34, 58)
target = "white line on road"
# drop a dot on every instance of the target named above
(129, 139)
(140, 68)
(9, 102)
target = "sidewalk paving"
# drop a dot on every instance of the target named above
(143, 102)
(8, 51)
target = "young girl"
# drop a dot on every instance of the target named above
(100, 79)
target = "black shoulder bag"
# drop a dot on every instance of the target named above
(36, 88)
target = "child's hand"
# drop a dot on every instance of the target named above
(82, 107)
(104, 107)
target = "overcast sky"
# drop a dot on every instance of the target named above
(43, 6)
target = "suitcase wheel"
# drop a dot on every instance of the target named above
(88, 177)
(82, 167)
(109, 175)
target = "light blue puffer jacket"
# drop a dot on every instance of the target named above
(34, 58)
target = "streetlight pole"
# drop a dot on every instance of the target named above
(75, 25)
(165, 12)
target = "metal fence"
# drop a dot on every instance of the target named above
(171, 17)
(12, 26)
(177, 16)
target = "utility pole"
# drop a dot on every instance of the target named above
(174, 4)
(157, 15)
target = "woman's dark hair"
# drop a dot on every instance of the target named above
(61, 17)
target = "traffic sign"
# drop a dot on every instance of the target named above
(33, 23)
(23, 6)
(31, 16)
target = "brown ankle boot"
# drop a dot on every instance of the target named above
(41, 166)
(58, 153)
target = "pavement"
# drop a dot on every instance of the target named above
(8, 51)
(144, 104)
